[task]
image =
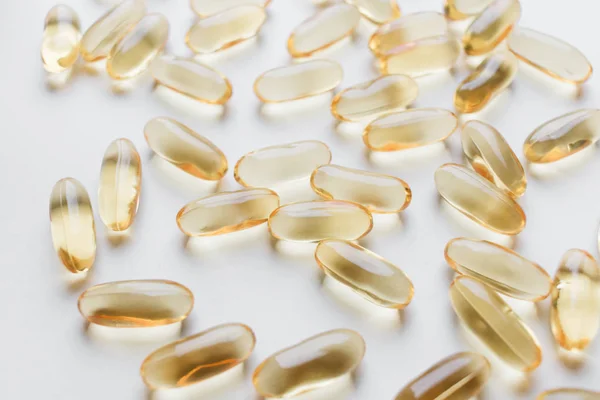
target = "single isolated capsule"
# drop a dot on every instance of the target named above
(462, 9)
(489, 318)
(206, 8)
(60, 42)
(491, 27)
(310, 364)
(569, 394)
(185, 149)
(198, 357)
(72, 225)
(377, 11)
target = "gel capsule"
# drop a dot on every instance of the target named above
(60, 43)
(569, 394)
(462, 9)
(72, 225)
(198, 357)
(377, 11)
(575, 313)
(206, 8)
(458, 377)
(310, 364)
(185, 149)
(489, 318)
(136, 304)
(312, 221)
(479, 199)
(491, 27)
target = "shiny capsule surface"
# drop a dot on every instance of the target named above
(479, 199)
(495, 324)
(310, 364)
(491, 27)
(377, 11)
(569, 394)
(60, 41)
(198, 357)
(205, 8)
(184, 148)
(462, 9)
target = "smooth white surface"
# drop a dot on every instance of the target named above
(47, 352)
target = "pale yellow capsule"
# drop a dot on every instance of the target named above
(569, 394)
(60, 41)
(206, 8)
(185, 149)
(491, 27)
(377, 11)
(462, 9)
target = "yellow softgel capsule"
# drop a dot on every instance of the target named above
(206, 8)
(569, 394)
(462, 9)
(377, 11)
(310, 364)
(478, 199)
(312, 221)
(408, 129)
(198, 357)
(60, 41)
(498, 267)
(72, 225)
(457, 377)
(294, 82)
(378, 192)
(489, 318)
(136, 304)
(184, 148)
(575, 312)
(491, 27)
(371, 99)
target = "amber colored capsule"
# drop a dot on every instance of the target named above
(198, 357)
(60, 41)
(72, 225)
(310, 364)
(462, 9)
(489, 318)
(569, 394)
(408, 129)
(491, 27)
(479, 200)
(460, 376)
(185, 149)
(206, 8)
(377, 11)
(575, 313)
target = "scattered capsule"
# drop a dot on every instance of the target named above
(206, 8)
(371, 99)
(489, 318)
(136, 304)
(575, 312)
(310, 364)
(460, 376)
(462, 9)
(408, 129)
(377, 192)
(60, 42)
(185, 149)
(312, 221)
(491, 27)
(198, 357)
(72, 225)
(298, 81)
(569, 394)
(377, 11)
(479, 199)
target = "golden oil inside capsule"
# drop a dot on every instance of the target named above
(498, 267)
(185, 149)
(575, 312)
(310, 364)
(569, 394)
(377, 11)
(460, 376)
(479, 200)
(377, 192)
(198, 357)
(276, 165)
(327, 27)
(489, 318)
(227, 212)
(190, 78)
(408, 129)
(136, 304)
(206, 8)
(491, 27)
(373, 98)
(312, 221)
(72, 225)
(490, 155)
(298, 81)
(462, 9)
(60, 41)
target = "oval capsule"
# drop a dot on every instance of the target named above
(185, 149)
(206, 8)
(60, 41)
(377, 11)
(491, 27)
(310, 364)
(569, 394)
(198, 357)
(489, 318)
(462, 9)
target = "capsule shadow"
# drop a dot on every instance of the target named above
(299, 190)
(181, 180)
(289, 110)
(75, 282)
(189, 106)
(409, 158)
(561, 167)
(59, 80)
(122, 87)
(572, 359)
(118, 238)
(435, 80)
(129, 336)
(203, 245)
(351, 129)
(297, 250)
(527, 310)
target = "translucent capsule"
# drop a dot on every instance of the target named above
(298, 81)
(60, 43)
(206, 8)
(310, 364)
(327, 27)
(72, 225)
(276, 165)
(185, 149)
(374, 98)
(569, 394)
(312, 221)
(460, 376)
(462, 9)
(377, 11)
(378, 192)
(491, 27)
(575, 313)
(198, 357)
(479, 200)
(408, 129)
(136, 304)
(489, 318)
